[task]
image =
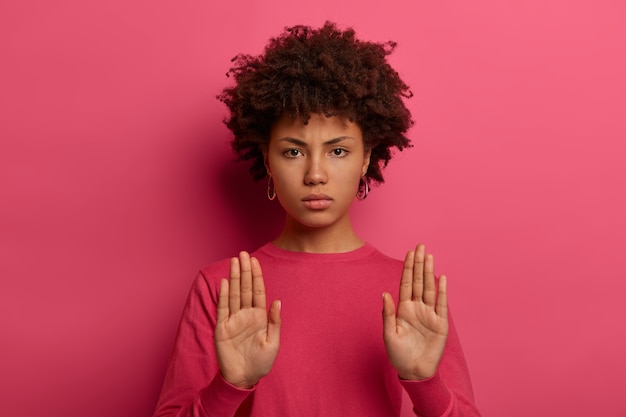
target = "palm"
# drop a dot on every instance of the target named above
(415, 337)
(246, 336)
(243, 336)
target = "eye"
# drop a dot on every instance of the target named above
(339, 152)
(292, 153)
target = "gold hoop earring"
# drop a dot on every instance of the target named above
(364, 189)
(271, 193)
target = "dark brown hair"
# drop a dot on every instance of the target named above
(325, 70)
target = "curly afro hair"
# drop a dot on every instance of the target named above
(328, 71)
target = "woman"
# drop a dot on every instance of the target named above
(318, 114)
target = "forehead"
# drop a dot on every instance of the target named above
(317, 127)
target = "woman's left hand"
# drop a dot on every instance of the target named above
(415, 337)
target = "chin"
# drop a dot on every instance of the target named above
(318, 221)
(314, 224)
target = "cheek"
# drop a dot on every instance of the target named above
(284, 184)
(350, 180)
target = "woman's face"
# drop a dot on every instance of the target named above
(316, 168)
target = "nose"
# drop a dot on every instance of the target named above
(315, 171)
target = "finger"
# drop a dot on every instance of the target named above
(418, 272)
(246, 280)
(258, 286)
(234, 299)
(406, 286)
(222, 301)
(273, 323)
(430, 291)
(442, 298)
(389, 316)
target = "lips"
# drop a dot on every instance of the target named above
(317, 201)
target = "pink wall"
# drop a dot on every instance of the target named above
(116, 185)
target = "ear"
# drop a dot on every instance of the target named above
(366, 161)
(266, 159)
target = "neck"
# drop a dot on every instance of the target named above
(332, 239)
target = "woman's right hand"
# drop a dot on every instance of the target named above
(247, 337)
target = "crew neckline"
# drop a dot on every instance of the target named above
(270, 249)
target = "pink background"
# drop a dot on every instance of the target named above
(117, 185)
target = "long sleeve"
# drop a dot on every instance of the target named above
(325, 366)
(449, 392)
(193, 386)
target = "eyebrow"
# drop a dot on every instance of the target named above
(302, 143)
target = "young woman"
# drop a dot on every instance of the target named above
(318, 115)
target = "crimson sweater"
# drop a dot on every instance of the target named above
(332, 359)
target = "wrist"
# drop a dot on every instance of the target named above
(240, 383)
(415, 376)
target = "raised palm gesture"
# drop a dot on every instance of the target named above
(415, 336)
(247, 337)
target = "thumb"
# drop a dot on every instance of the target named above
(273, 325)
(389, 316)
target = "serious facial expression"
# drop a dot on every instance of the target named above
(316, 168)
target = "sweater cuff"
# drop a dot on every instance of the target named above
(431, 397)
(222, 398)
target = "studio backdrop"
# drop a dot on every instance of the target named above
(117, 184)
